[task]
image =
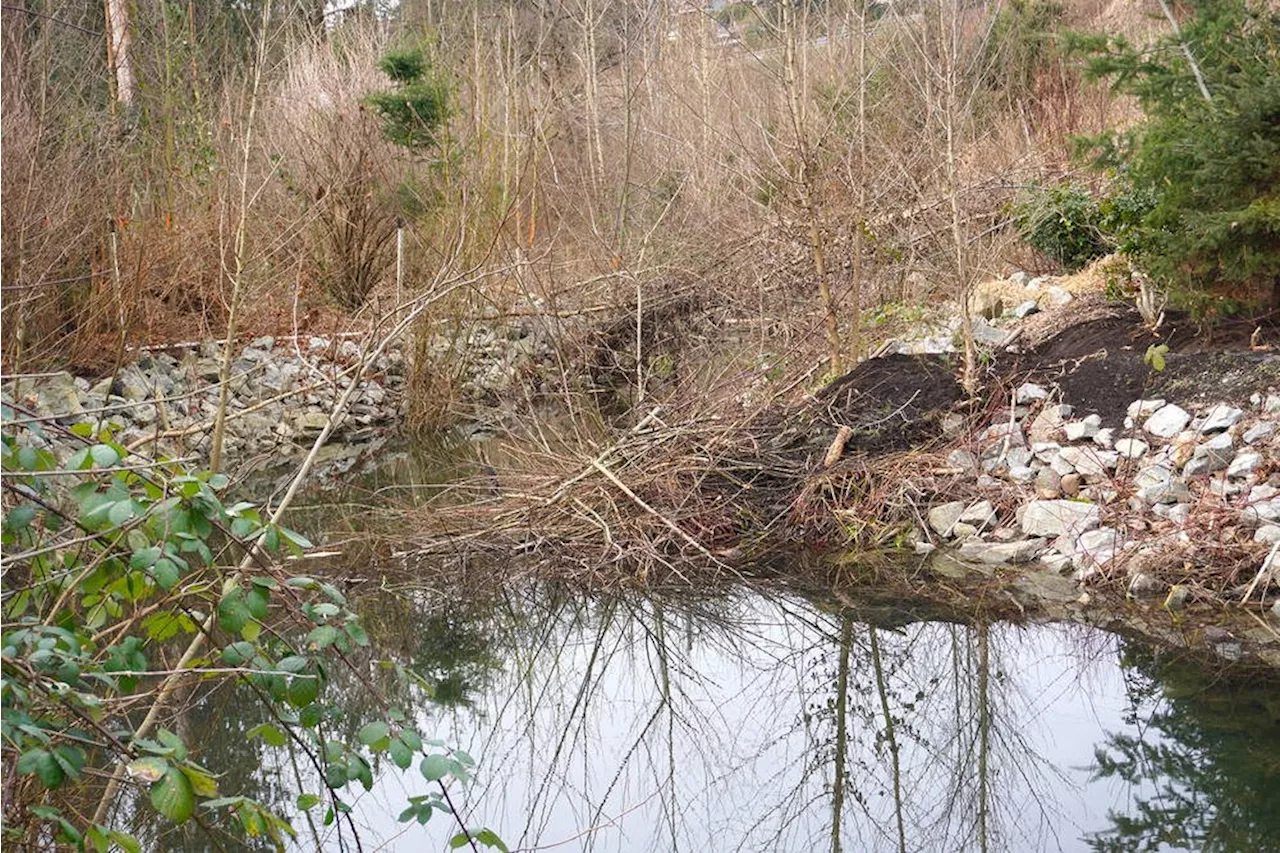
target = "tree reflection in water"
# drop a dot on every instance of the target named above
(1209, 759)
(734, 721)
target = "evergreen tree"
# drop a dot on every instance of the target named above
(1208, 152)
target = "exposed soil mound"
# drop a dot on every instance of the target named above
(892, 402)
(1075, 331)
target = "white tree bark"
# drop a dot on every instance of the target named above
(118, 39)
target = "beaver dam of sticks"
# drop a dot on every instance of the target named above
(708, 489)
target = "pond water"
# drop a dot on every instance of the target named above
(754, 721)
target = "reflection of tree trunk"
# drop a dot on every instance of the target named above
(664, 673)
(891, 737)
(842, 731)
(984, 728)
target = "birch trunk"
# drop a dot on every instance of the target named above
(118, 43)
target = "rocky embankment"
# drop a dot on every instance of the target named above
(1149, 500)
(282, 394)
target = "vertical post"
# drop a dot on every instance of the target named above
(399, 260)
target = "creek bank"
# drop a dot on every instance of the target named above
(1080, 475)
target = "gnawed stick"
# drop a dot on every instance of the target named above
(1263, 571)
(837, 446)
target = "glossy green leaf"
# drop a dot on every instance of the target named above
(42, 763)
(173, 796)
(434, 768)
(19, 517)
(121, 511)
(202, 782)
(375, 735)
(166, 573)
(172, 742)
(149, 768)
(269, 732)
(302, 690)
(237, 653)
(308, 801)
(256, 599)
(489, 838)
(322, 637)
(401, 753)
(233, 612)
(104, 455)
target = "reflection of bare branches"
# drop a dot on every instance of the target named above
(739, 722)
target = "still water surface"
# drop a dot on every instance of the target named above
(758, 722)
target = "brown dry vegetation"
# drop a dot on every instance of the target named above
(598, 156)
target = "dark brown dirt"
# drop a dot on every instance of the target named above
(1094, 355)
(892, 402)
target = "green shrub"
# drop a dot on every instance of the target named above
(1064, 222)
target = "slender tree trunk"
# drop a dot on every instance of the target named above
(949, 42)
(13, 24)
(118, 43)
(860, 224)
(238, 252)
(807, 187)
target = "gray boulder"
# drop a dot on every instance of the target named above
(1058, 517)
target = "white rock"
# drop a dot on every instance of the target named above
(1029, 392)
(1087, 428)
(1167, 421)
(1145, 408)
(1258, 432)
(1260, 512)
(1021, 474)
(943, 518)
(1058, 295)
(1214, 455)
(1058, 517)
(1263, 492)
(996, 553)
(997, 433)
(1045, 450)
(1268, 534)
(1132, 448)
(1144, 584)
(1179, 514)
(1060, 464)
(1221, 417)
(1020, 278)
(1048, 484)
(1026, 309)
(960, 458)
(1089, 461)
(982, 514)
(1044, 427)
(1099, 547)
(1245, 464)
(1158, 484)
(1105, 438)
